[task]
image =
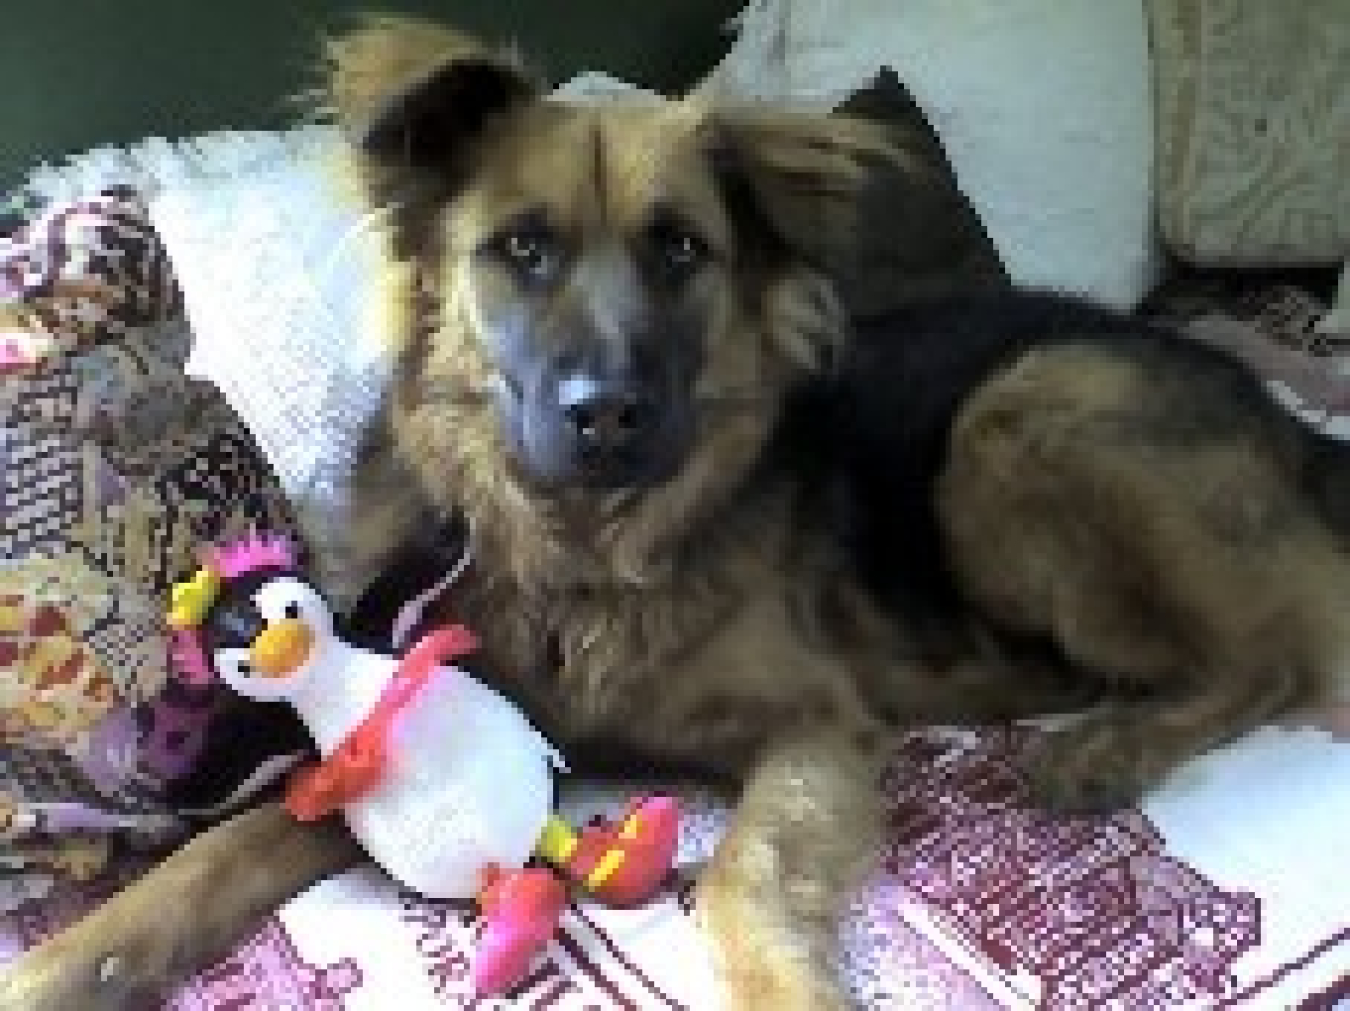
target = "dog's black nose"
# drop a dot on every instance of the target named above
(608, 420)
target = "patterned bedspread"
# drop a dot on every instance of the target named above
(1227, 890)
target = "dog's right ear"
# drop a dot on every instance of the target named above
(413, 97)
(803, 171)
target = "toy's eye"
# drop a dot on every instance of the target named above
(231, 662)
(292, 610)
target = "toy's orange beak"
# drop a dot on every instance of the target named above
(281, 648)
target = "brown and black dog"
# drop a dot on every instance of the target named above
(717, 523)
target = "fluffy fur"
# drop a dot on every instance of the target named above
(968, 510)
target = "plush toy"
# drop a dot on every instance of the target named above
(446, 783)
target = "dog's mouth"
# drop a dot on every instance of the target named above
(627, 474)
(629, 469)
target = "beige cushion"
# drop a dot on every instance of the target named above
(1253, 120)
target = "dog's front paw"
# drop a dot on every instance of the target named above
(761, 966)
(184, 914)
(66, 973)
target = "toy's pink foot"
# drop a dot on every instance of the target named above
(625, 864)
(521, 910)
(504, 954)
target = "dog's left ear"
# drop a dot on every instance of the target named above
(414, 99)
(803, 172)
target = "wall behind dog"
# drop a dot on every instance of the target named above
(76, 74)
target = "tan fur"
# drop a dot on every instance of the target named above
(1196, 568)
(709, 619)
(387, 54)
(132, 949)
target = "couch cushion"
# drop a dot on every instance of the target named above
(1042, 107)
(1253, 113)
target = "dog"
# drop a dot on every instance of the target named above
(716, 524)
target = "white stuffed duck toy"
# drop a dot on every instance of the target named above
(445, 782)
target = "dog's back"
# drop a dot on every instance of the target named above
(1134, 504)
(881, 424)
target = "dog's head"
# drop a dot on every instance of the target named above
(625, 290)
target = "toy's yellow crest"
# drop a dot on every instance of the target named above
(189, 601)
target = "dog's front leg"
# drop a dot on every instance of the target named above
(179, 917)
(800, 841)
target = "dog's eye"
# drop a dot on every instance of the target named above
(680, 252)
(292, 610)
(534, 254)
(683, 251)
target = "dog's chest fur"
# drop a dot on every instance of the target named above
(618, 665)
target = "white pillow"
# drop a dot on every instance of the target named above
(277, 278)
(1044, 107)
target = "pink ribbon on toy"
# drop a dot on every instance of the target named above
(357, 765)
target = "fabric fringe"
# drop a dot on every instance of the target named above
(156, 163)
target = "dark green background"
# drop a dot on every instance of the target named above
(78, 73)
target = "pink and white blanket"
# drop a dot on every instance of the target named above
(1227, 889)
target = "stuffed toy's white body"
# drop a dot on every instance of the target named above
(470, 781)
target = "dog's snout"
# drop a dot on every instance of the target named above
(605, 430)
(606, 418)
